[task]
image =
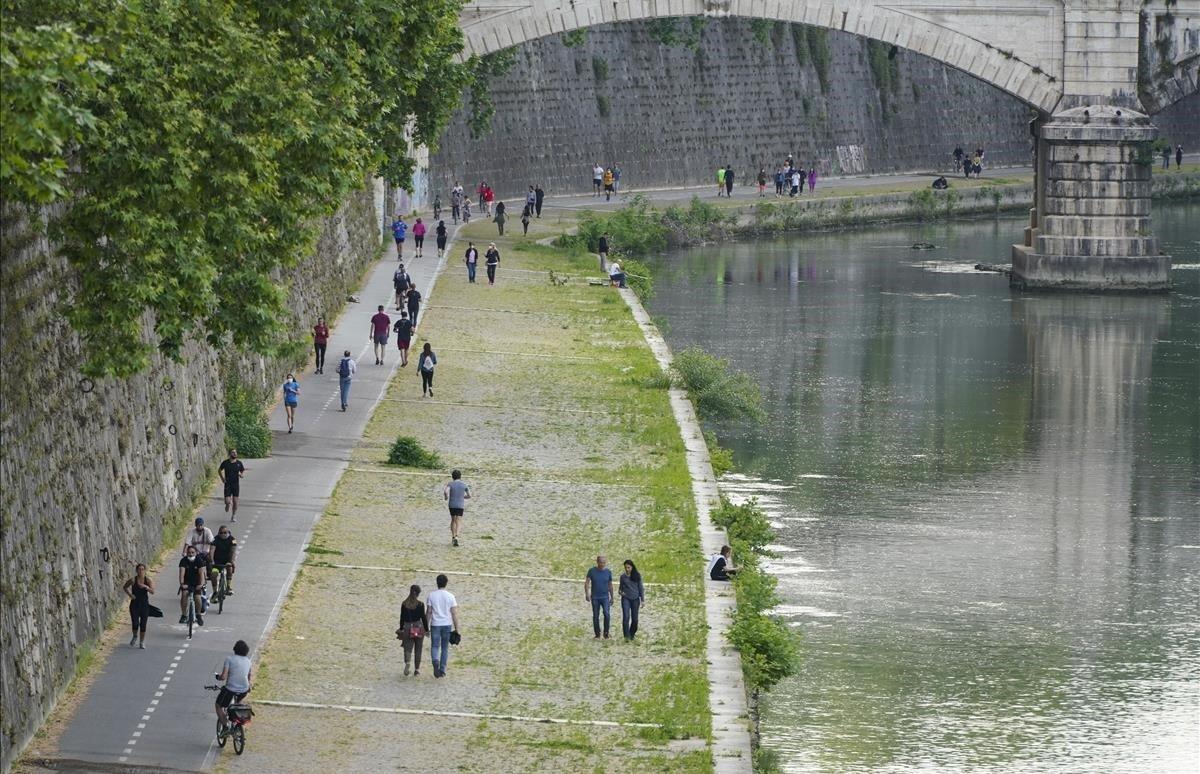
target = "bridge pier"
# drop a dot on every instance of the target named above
(1090, 227)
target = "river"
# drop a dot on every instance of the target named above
(987, 504)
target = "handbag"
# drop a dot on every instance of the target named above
(416, 631)
(154, 612)
(455, 638)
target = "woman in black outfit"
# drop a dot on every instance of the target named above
(139, 588)
(493, 260)
(425, 366)
(414, 623)
(441, 237)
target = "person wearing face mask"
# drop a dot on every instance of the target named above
(193, 573)
(224, 552)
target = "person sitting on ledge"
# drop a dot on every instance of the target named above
(720, 567)
(616, 276)
(940, 184)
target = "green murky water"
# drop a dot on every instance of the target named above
(987, 504)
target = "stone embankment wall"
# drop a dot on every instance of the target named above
(671, 114)
(743, 94)
(96, 475)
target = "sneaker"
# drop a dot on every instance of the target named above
(406, 670)
(133, 641)
(141, 646)
(416, 672)
(229, 591)
(183, 619)
(454, 541)
(199, 620)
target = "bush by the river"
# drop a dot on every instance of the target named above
(408, 452)
(246, 426)
(718, 393)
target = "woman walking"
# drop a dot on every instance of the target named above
(471, 259)
(291, 399)
(441, 237)
(633, 595)
(493, 260)
(500, 217)
(812, 179)
(419, 238)
(320, 341)
(525, 220)
(139, 588)
(425, 365)
(414, 623)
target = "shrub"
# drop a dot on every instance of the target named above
(600, 69)
(245, 421)
(718, 393)
(574, 38)
(745, 523)
(408, 452)
(638, 277)
(720, 457)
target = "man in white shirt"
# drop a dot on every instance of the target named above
(443, 619)
(597, 178)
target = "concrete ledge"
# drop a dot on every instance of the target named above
(731, 746)
(1140, 274)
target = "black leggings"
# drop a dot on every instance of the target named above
(138, 616)
(426, 381)
(419, 241)
(320, 355)
(491, 272)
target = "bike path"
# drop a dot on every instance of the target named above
(149, 707)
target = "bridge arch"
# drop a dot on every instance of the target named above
(1010, 45)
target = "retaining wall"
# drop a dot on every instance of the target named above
(96, 475)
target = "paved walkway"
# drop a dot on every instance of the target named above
(149, 707)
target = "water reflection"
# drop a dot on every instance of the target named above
(988, 505)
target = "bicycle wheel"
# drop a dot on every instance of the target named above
(220, 593)
(239, 739)
(221, 735)
(191, 615)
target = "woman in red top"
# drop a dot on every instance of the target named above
(419, 235)
(481, 198)
(320, 339)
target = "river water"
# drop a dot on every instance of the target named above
(987, 504)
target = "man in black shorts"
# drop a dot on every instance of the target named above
(231, 472)
(193, 575)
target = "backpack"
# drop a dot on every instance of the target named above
(344, 368)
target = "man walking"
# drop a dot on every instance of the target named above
(1178, 157)
(720, 181)
(728, 181)
(597, 178)
(381, 326)
(399, 231)
(414, 305)
(604, 251)
(456, 493)
(443, 620)
(230, 472)
(403, 329)
(539, 195)
(598, 589)
(346, 370)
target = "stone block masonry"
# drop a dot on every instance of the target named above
(93, 474)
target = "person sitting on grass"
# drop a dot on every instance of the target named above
(720, 567)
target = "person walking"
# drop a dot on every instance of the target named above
(616, 170)
(414, 623)
(603, 250)
(779, 182)
(346, 371)
(812, 178)
(231, 471)
(597, 178)
(403, 329)
(797, 180)
(720, 181)
(466, 211)
(479, 189)
(762, 182)
(525, 220)
(381, 327)
(530, 200)
(139, 588)
(291, 399)
(399, 230)
(441, 238)
(456, 201)
(728, 181)
(443, 622)
(414, 305)
(320, 341)
(537, 202)
(419, 238)
(400, 282)
(425, 365)
(598, 589)
(608, 184)
(488, 197)
(1178, 157)
(456, 492)
(492, 256)
(500, 217)
(633, 596)
(471, 259)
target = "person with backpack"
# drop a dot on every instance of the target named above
(403, 329)
(346, 370)
(414, 305)
(401, 282)
(425, 365)
(399, 230)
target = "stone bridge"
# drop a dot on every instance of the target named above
(1094, 70)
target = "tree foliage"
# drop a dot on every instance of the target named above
(202, 141)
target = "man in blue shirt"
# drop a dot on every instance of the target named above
(399, 231)
(598, 589)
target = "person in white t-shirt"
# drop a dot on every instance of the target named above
(597, 178)
(235, 673)
(443, 619)
(201, 537)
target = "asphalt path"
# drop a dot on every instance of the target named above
(148, 708)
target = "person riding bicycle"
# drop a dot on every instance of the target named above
(437, 206)
(200, 538)
(192, 575)
(235, 673)
(224, 551)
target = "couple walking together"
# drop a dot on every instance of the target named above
(598, 589)
(437, 617)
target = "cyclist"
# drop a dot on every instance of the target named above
(224, 551)
(235, 673)
(192, 572)
(200, 538)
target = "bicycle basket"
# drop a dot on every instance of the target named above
(240, 712)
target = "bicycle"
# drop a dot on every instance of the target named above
(192, 613)
(239, 714)
(220, 588)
